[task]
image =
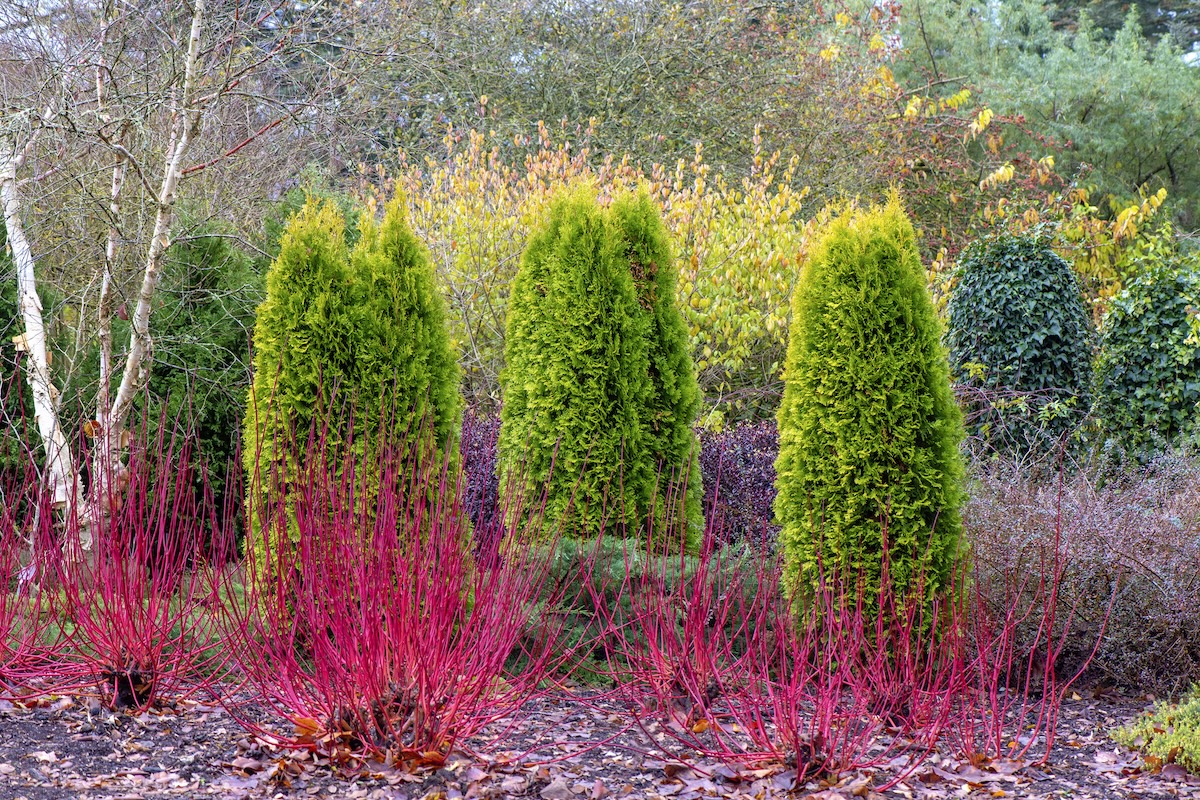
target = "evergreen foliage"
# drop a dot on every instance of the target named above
(304, 340)
(599, 389)
(869, 430)
(1019, 331)
(575, 375)
(16, 401)
(1148, 370)
(1171, 735)
(406, 371)
(201, 368)
(362, 331)
(1138, 132)
(674, 400)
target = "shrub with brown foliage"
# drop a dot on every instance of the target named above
(1134, 543)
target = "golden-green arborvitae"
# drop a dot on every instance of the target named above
(304, 353)
(407, 373)
(675, 486)
(599, 389)
(362, 332)
(575, 375)
(868, 427)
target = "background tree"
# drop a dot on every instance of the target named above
(868, 460)
(1076, 84)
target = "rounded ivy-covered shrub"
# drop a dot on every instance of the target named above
(599, 389)
(1020, 341)
(1147, 374)
(869, 468)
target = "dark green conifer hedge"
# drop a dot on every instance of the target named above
(868, 427)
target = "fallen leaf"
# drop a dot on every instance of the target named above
(557, 790)
(1173, 772)
(247, 765)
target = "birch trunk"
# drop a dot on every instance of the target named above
(60, 474)
(108, 469)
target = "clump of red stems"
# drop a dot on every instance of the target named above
(841, 678)
(373, 625)
(137, 606)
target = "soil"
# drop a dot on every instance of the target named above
(563, 746)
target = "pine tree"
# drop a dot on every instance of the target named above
(868, 461)
(676, 487)
(576, 375)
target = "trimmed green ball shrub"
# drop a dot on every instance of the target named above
(868, 427)
(599, 389)
(1148, 371)
(1020, 334)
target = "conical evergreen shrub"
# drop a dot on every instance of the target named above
(304, 353)
(869, 431)
(670, 410)
(406, 372)
(576, 375)
(1020, 334)
(344, 336)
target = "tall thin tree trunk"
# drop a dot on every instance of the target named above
(108, 469)
(60, 474)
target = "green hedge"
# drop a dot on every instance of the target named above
(1147, 374)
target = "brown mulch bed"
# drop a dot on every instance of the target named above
(565, 746)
